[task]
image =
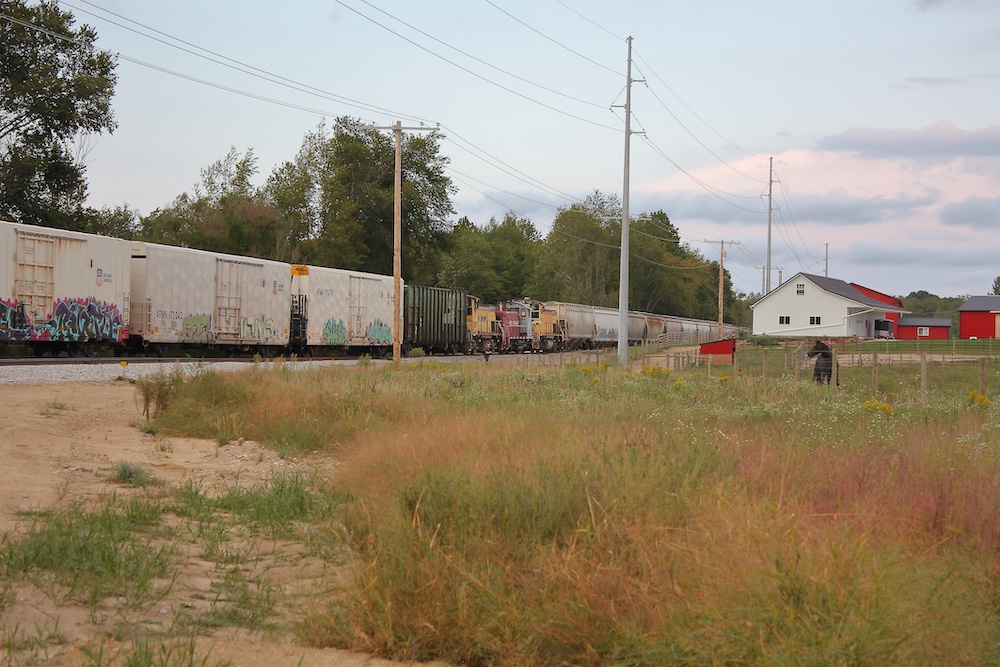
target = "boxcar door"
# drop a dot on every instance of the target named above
(34, 277)
(228, 299)
(357, 328)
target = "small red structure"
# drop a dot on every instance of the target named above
(923, 328)
(720, 347)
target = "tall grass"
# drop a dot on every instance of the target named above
(591, 516)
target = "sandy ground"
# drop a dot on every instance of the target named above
(60, 443)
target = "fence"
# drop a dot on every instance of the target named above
(862, 362)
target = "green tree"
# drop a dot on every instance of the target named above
(996, 286)
(55, 86)
(579, 260)
(226, 213)
(344, 181)
(496, 263)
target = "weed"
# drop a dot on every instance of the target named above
(130, 473)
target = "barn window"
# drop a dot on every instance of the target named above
(923, 332)
(814, 319)
(800, 288)
(784, 319)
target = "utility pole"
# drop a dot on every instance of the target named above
(770, 182)
(826, 265)
(623, 275)
(397, 238)
(722, 258)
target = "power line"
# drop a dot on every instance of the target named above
(557, 43)
(481, 61)
(476, 74)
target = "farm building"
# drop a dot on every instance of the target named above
(979, 317)
(884, 298)
(811, 305)
(923, 328)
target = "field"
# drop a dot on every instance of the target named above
(517, 514)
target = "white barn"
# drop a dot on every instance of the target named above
(816, 306)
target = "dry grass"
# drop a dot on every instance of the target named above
(510, 516)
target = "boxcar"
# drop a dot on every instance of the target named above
(61, 289)
(186, 296)
(337, 308)
(436, 319)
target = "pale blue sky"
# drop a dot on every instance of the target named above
(881, 117)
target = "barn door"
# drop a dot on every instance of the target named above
(228, 299)
(34, 277)
(996, 333)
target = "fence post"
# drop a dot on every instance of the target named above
(982, 375)
(923, 377)
(875, 372)
(836, 367)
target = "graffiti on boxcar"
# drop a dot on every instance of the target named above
(196, 328)
(379, 333)
(259, 329)
(334, 332)
(72, 320)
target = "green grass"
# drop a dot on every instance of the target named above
(87, 555)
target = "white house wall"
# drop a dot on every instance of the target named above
(815, 302)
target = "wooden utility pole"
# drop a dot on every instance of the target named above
(722, 276)
(397, 238)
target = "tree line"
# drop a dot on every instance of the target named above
(331, 204)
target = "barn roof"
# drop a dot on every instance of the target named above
(848, 291)
(981, 303)
(925, 322)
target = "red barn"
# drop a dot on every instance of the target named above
(923, 328)
(884, 298)
(979, 317)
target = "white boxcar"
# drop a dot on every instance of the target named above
(61, 286)
(341, 308)
(181, 295)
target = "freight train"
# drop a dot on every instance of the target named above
(71, 292)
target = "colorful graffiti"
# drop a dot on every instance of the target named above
(379, 333)
(196, 328)
(72, 320)
(334, 333)
(262, 330)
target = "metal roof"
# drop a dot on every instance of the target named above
(848, 291)
(925, 322)
(981, 303)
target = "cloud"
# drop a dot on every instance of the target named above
(978, 212)
(943, 139)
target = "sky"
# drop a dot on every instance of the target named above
(881, 119)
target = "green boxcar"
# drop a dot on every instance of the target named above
(435, 319)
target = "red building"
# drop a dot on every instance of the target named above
(884, 298)
(979, 317)
(923, 328)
